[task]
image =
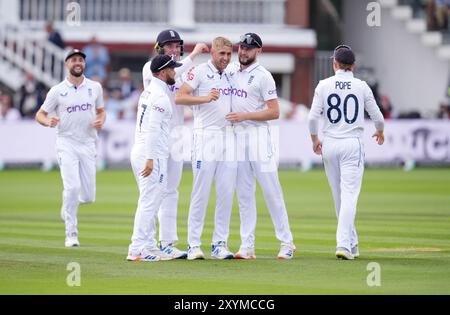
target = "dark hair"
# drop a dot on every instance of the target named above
(344, 67)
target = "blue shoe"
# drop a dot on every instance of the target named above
(171, 251)
(287, 251)
(148, 255)
(219, 250)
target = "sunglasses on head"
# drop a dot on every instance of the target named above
(249, 40)
(342, 46)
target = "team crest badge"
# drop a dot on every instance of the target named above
(250, 80)
(210, 76)
(90, 92)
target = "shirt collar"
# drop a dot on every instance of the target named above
(251, 67)
(70, 85)
(212, 67)
(343, 73)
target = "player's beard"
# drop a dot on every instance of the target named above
(170, 80)
(76, 73)
(246, 62)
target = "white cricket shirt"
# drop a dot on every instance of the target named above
(252, 88)
(342, 100)
(76, 108)
(153, 120)
(202, 79)
(178, 110)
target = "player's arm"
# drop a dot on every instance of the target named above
(184, 96)
(50, 104)
(375, 114)
(99, 110)
(270, 113)
(313, 121)
(42, 118)
(189, 60)
(100, 118)
(269, 95)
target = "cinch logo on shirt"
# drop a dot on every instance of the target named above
(158, 109)
(233, 91)
(77, 108)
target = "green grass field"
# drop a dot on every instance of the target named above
(403, 221)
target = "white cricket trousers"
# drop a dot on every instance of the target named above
(265, 170)
(151, 194)
(208, 163)
(77, 166)
(167, 214)
(344, 165)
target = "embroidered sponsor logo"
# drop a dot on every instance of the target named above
(272, 92)
(210, 77)
(233, 91)
(158, 109)
(190, 75)
(64, 94)
(78, 108)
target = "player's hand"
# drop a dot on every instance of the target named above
(148, 168)
(235, 117)
(379, 137)
(98, 124)
(200, 48)
(317, 147)
(52, 122)
(213, 95)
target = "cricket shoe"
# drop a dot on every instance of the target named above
(219, 250)
(245, 253)
(148, 255)
(171, 251)
(344, 254)
(355, 251)
(72, 240)
(287, 251)
(195, 253)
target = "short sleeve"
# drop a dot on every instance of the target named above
(268, 88)
(99, 102)
(193, 77)
(51, 101)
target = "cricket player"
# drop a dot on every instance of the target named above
(169, 42)
(149, 159)
(208, 89)
(75, 107)
(254, 104)
(342, 99)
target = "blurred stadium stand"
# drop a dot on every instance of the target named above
(405, 60)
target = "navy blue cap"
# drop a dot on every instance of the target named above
(168, 36)
(344, 54)
(161, 62)
(74, 52)
(250, 40)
